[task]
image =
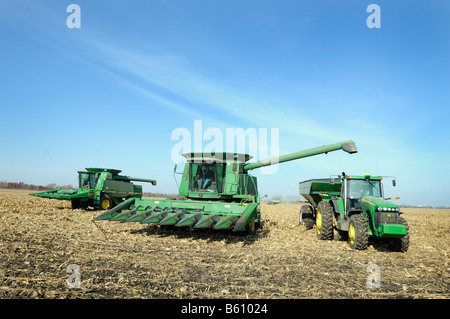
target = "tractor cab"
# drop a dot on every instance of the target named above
(364, 193)
(355, 188)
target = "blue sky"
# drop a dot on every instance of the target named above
(110, 93)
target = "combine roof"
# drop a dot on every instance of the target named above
(219, 157)
(100, 170)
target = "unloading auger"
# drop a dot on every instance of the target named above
(220, 194)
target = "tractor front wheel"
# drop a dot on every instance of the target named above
(400, 244)
(324, 221)
(106, 202)
(358, 237)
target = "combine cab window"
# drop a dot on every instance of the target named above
(88, 180)
(206, 177)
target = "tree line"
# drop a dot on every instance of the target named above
(25, 186)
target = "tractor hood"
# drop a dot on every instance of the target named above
(376, 202)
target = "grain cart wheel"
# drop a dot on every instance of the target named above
(307, 217)
(106, 202)
(400, 244)
(324, 221)
(358, 237)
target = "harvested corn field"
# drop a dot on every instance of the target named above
(41, 239)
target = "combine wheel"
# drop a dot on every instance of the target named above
(252, 227)
(324, 221)
(400, 244)
(75, 203)
(358, 237)
(306, 217)
(106, 202)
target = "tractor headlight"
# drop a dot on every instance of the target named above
(397, 209)
(385, 209)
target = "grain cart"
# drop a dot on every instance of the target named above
(353, 206)
(101, 188)
(219, 192)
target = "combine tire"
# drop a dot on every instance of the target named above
(106, 202)
(358, 237)
(306, 217)
(75, 204)
(324, 221)
(400, 244)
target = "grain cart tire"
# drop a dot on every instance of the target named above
(106, 202)
(400, 244)
(307, 217)
(324, 221)
(358, 237)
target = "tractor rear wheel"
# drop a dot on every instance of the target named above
(358, 237)
(106, 202)
(400, 244)
(306, 217)
(324, 221)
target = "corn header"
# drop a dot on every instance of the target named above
(101, 188)
(219, 192)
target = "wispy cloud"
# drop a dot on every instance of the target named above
(173, 79)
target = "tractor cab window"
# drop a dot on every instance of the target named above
(357, 188)
(206, 177)
(88, 180)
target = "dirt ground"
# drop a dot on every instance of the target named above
(42, 242)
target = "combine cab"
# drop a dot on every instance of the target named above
(219, 192)
(354, 207)
(100, 188)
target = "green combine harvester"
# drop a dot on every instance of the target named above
(219, 192)
(100, 188)
(354, 207)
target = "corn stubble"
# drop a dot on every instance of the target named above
(40, 238)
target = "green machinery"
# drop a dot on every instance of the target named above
(101, 188)
(353, 206)
(219, 192)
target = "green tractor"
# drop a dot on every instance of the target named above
(354, 207)
(100, 188)
(219, 193)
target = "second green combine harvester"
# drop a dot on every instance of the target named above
(100, 188)
(219, 192)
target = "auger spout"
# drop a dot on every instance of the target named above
(347, 146)
(135, 179)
